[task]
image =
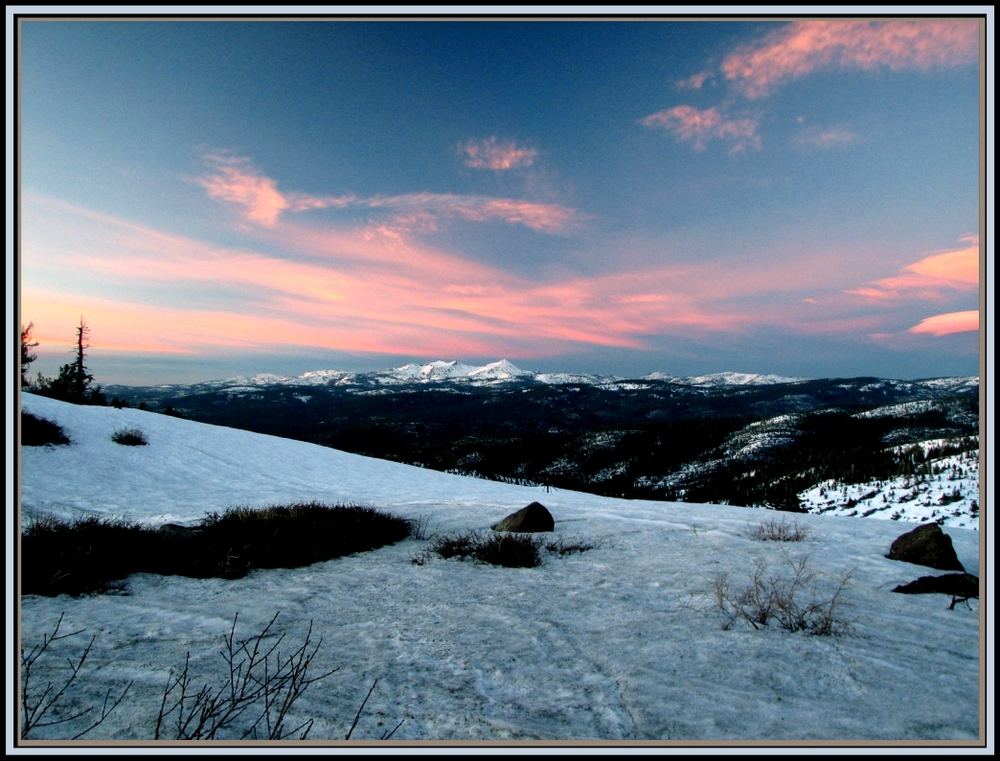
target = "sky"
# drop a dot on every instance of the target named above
(227, 197)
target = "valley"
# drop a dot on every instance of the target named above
(730, 438)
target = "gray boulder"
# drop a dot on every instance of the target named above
(957, 584)
(926, 545)
(534, 517)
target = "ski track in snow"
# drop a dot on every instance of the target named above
(622, 642)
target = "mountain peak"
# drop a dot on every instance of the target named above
(453, 369)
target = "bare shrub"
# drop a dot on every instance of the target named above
(778, 531)
(387, 734)
(259, 690)
(46, 708)
(792, 601)
(419, 527)
(252, 701)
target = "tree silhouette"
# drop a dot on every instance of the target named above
(27, 355)
(75, 382)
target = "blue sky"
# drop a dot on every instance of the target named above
(224, 197)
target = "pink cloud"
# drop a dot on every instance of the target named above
(798, 49)
(946, 324)
(695, 82)
(370, 291)
(542, 217)
(236, 181)
(699, 127)
(929, 278)
(496, 155)
(349, 289)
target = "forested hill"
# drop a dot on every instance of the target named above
(765, 442)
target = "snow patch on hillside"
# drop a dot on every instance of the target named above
(736, 379)
(948, 495)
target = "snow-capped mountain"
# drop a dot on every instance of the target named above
(441, 370)
(503, 371)
(622, 642)
(429, 372)
(456, 371)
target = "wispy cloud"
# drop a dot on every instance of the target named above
(947, 324)
(235, 180)
(823, 138)
(497, 155)
(929, 278)
(542, 217)
(352, 289)
(702, 126)
(695, 82)
(798, 49)
(321, 285)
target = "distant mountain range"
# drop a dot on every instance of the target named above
(831, 444)
(504, 371)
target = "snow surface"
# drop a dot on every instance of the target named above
(622, 642)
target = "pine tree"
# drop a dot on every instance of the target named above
(27, 355)
(80, 378)
(75, 382)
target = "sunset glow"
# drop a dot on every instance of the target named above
(946, 324)
(702, 201)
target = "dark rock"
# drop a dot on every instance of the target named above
(957, 584)
(926, 545)
(534, 517)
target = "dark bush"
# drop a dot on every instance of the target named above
(508, 550)
(37, 431)
(83, 556)
(457, 545)
(289, 536)
(90, 554)
(561, 546)
(130, 437)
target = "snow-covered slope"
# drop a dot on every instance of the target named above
(735, 379)
(970, 381)
(623, 642)
(948, 494)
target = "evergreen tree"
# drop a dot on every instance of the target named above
(74, 382)
(80, 378)
(27, 355)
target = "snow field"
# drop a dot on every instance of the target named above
(622, 642)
